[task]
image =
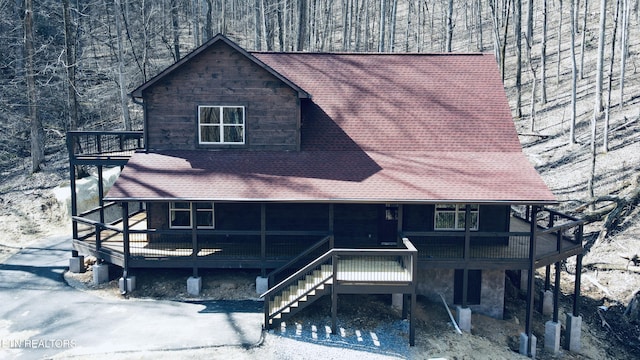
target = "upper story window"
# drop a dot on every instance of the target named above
(221, 124)
(452, 217)
(180, 215)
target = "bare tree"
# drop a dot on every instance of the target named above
(584, 37)
(124, 101)
(600, 57)
(37, 131)
(624, 46)
(572, 126)
(450, 25)
(543, 55)
(70, 65)
(517, 15)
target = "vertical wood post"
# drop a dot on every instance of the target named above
(334, 296)
(556, 292)
(467, 250)
(331, 226)
(531, 279)
(101, 193)
(125, 239)
(263, 239)
(194, 238)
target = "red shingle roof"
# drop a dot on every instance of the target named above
(378, 128)
(311, 176)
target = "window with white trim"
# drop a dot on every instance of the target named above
(180, 215)
(221, 125)
(452, 217)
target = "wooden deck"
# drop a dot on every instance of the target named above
(437, 252)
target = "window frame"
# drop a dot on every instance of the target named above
(458, 211)
(221, 125)
(173, 209)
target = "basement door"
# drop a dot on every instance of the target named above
(388, 224)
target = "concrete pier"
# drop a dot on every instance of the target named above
(552, 336)
(524, 345)
(194, 285)
(463, 318)
(572, 336)
(100, 273)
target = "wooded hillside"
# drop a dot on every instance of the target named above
(569, 65)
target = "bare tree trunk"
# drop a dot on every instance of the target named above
(37, 131)
(394, 10)
(584, 37)
(600, 63)
(559, 59)
(543, 55)
(302, 24)
(70, 66)
(450, 25)
(572, 126)
(518, 32)
(382, 26)
(624, 43)
(208, 22)
(124, 103)
(607, 108)
(176, 30)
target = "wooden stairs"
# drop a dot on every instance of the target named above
(300, 294)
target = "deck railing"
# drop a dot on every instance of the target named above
(101, 143)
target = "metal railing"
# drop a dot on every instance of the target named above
(97, 143)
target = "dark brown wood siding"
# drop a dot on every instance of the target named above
(222, 76)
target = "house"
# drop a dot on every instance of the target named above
(334, 173)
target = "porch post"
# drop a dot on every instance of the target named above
(556, 292)
(101, 193)
(194, 238)
(124, 283)
(528, 342)
(334, 296)
(194, 282)
(263, 238)
(331, 226)
(74, 197)
(467, 249)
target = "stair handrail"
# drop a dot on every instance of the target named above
(323, 241)
(296, 276)
(340, 251)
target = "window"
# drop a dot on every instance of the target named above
(452, 217)
(221, 124)
(180, 215)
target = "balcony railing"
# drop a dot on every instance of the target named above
(103, 143)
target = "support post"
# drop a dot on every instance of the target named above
(334, 296)
(101, 193)
(412, 327)
(127, 252)
(574, 320)
(194, 239)
(263, 239)
(531, 284)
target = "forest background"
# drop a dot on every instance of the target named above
(570, 69)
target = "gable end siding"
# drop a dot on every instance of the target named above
(222, 76)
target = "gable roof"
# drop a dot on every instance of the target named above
(137, 93)
(380, 128)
